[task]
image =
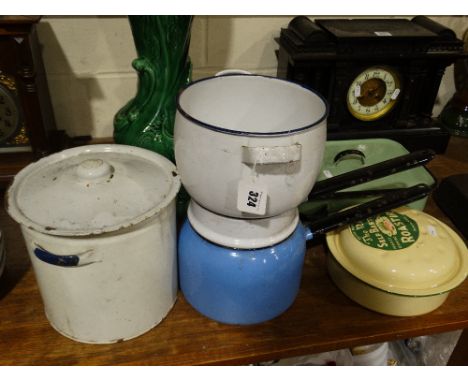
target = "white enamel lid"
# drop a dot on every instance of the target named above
(92, 189)
(404, 251)
(242, 233)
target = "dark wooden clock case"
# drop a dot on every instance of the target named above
(20, 58)
(328, 54)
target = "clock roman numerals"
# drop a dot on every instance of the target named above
(373, 93)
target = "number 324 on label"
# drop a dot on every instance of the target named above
(252, 198)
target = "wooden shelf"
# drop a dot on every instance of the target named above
(321, 319)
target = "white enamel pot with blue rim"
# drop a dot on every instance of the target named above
(249, 146)
(99, 225)
(228, 281)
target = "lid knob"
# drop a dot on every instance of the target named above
(94, 169)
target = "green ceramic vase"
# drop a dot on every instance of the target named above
(163, 67)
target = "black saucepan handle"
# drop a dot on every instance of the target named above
(375, 171)
(365, 210)
(360, 193)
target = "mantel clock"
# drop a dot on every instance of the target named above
(27, 126)
(380, 76)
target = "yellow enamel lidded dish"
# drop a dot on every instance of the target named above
(402, 262)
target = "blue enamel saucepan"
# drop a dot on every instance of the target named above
(232, 284)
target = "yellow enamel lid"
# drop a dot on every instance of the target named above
(404, 251)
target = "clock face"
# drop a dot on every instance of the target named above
(373, 93)
(9, 115)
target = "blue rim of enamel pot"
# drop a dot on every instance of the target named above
(253, 133)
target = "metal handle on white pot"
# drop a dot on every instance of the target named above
(265, 154)
(271, 154)
(76, 260)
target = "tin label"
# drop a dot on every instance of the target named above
(252, 197)
(389, 231)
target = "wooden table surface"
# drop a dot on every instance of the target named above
(321, 319)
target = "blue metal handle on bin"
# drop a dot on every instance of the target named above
(63, 260)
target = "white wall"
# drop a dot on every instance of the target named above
(88, 61)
